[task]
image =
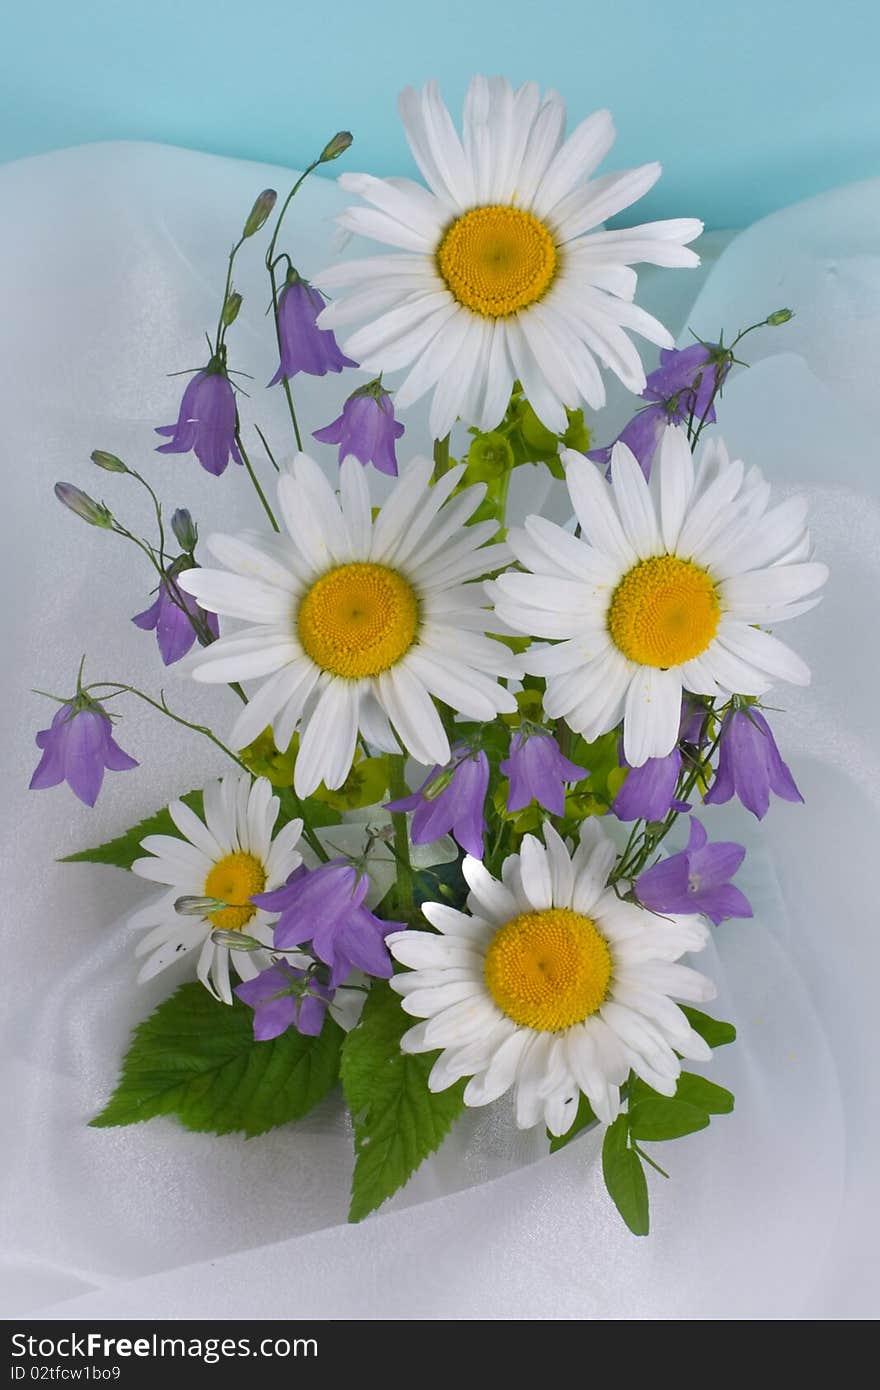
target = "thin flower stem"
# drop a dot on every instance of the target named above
(270, 266)
(647, 1158)
(398, 788)
(220, 326)
(119, 688)
(253, 477)
(289, 795)
(265, 444)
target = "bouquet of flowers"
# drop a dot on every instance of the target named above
(436, 869)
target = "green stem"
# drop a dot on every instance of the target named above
(233, 253)
(118, 688)
(441, 457)
(254, 479)
(289, 795)
(265, 443)
(398, 788)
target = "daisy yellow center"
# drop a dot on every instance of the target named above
(358, 620)
(234, 880)
(663, 612)
(548, 970)
(496, 260)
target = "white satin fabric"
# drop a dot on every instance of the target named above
(111, 263)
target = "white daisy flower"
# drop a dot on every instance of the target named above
(550, 983)
(358, 623)
(667, 591)
(229, 856)
(500, 270)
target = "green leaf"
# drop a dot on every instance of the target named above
(584, 1119)
(197, 1059)
(397, 1120)
(665, 1119)
(625, 1178)
(713, 1030)
(704, 1094)
(125, 849)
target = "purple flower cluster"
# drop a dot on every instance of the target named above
(77, 748)
(750, 765)
(538, 772)
(280, 1000)
(169, 616)
(682, 386)
(304, 346)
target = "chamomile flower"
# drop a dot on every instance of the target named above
(501, 269)
(668, 590)
(551, 984)
(358, 624)
(227, 855)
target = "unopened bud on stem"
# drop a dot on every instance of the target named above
(781, 316)
(185, 530)
(95, 513)
(109, 462)
(231, 308)
(260, 211)
(335, 147)
(236, 941)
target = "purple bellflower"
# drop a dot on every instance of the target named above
(325, 906)
(77, 748)
(696, 880)
(681, 386)
(175, 632)
(538, 772)
(750, 765)
(366, 428)
(304, 346)
(649, 791)
(280, 1001)
(206, 422)
(451, 798)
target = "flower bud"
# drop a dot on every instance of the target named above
(197, 907)
(185, 530)
(95, 513)
(260, 211)
(335, 147)
(109, 462)
(231, 308)
(236, 941)
(781, 316)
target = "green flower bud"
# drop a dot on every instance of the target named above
(781, 316)
(185, 530)
(231, 308)
(335, 147)
(489, 456)
(197, 907)
(260, 211)
(236, 941)
(95, 513)
(109, 462)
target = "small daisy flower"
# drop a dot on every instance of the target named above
(501, 269)
(229, 855)
(551, 984)
(358, 624)
(668, 590)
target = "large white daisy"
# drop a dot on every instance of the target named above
(229, 855)
(669, 589)
(501, 271)
(552, 984)
(358, 623)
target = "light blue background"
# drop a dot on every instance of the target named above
(750, 104)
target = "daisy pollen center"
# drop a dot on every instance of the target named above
(496, 260)
(358, 620)
(664, 611)
(234, 880)
(548, 970)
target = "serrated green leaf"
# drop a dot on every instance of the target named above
(584, 1119)
(125, 849)
(713, 1030)
(398, 1122)
(704, 1094)
(662, 1118)
(197, 1059)
(625, 1178)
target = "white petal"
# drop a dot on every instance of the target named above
(652, 714)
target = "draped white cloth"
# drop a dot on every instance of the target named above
(111, 265)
